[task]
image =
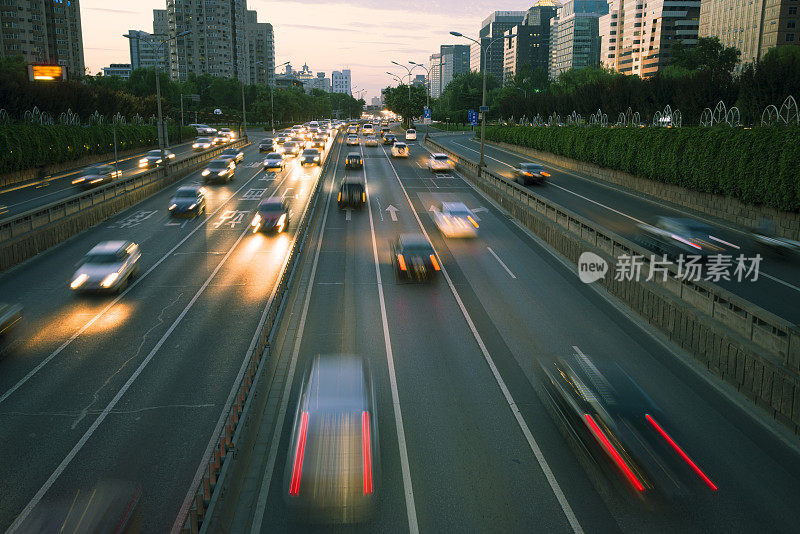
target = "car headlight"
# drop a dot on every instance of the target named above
(109, 280)
(79, 280)
(172, 206)
(316, 158)
(143, 160)
(205, 172)
(222, 173)
(256, 220)
(195, 145)
(158, 160)
(193, 206)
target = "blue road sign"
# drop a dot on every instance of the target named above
(426, 115)
(473, 117)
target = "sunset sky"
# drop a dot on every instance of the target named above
(362, 35)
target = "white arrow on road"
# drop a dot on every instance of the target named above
(392, 212)
(476, 210)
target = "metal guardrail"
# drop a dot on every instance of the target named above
(206, 488)
(778, 337)
(38, 218)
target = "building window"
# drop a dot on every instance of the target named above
(791, 24)
(789, 37)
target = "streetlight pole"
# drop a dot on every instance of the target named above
(484, 50)
(427, 93)
(160, 122)
(272, 91)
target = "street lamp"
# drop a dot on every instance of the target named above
(272, 91)
(155, 48)
(427, 93)
(244, 117)
(484, 51)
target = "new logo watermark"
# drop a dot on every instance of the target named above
(591, 267)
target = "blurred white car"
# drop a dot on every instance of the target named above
(399, 150)
(440, 162)
(109, 266)
(411, 135)
(352, 140)
(456, 220)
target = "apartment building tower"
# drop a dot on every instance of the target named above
(528, 45)
(340, 81)
(575, 35)
(492, 27)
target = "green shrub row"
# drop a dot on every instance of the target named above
(758, 166)
(28, 146)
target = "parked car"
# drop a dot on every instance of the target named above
(108, 266)
(97, 175)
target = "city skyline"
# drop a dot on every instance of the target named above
(362, 38)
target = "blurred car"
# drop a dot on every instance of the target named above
(219, 138)
(97, 175)
(202, 143)
(525, 173)
(674, 236)
(367, 129)
(10, 325)
(399, 150)
(281, 139)
(311, 156)
(389, 139)
(413, 258)
(289, 148)
(352, 140)
(108, 266)
(274, 160)
(354, 161)
(266, 145)
(233, 153)
(352, 193)
(352, 128)
(202, 129)
(626, 436)
(766, 236)
(455, 219)
(411, 135)
(370, 140)
(332, 472)
(440, 162)
(272, 214)
(219, 170)
(228, 133)
(153, 158)
(317, 142)
(188, 200)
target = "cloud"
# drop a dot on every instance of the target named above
(116, 11)
(318, 28)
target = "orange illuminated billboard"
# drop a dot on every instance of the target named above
(46, 73)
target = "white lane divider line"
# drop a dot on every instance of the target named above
(111, 304)
(718, 240)
(263, 491)
(501, 263)
(408, 490)
(545, 467)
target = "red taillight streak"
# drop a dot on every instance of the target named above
(681, 453)
(612, 452)
(297, 468)
(367, 450)
(686, 241)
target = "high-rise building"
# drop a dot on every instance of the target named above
(147, 50)
(753, 27)
(160, 25)
(321, 82)
(260, 50)
(123, 70)
(376, 101)
(436, 75)
(419, 79)
(475, 58)
(636, 39)
(217, 44)
(43, 31)
(528, 45)
(340, 81)
(575, 35)
(492, 27)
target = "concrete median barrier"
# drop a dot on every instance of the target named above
(750, 348)
(27, 234)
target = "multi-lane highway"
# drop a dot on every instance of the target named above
(24, 197)
(123, 391)
(467, 443)
(777, 288)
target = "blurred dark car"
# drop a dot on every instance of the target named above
(625, 435)
(272, 214)
(10, 324)
(202, 143)
(332, 472)
(274, 160)
(389, 139)
(220, 170)
(266, 145)
(96, 176)
(354, 161)
(289, 148)
(527, 173)
(765, 234)
(310, 156)
(153, 158)
(674, 236)
(234, 153)
(352, 193)
(317, 142)
(413, 258)
(188, 200)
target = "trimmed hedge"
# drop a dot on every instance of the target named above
(28, 146)
(758, 167)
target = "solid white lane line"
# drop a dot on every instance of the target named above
(724, 242)
(119, 297)
(501, 263)
(263, 490)
(548, 472)
(88, 434)
(408, 490)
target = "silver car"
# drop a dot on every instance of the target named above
(274, 160)
(109, 266)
